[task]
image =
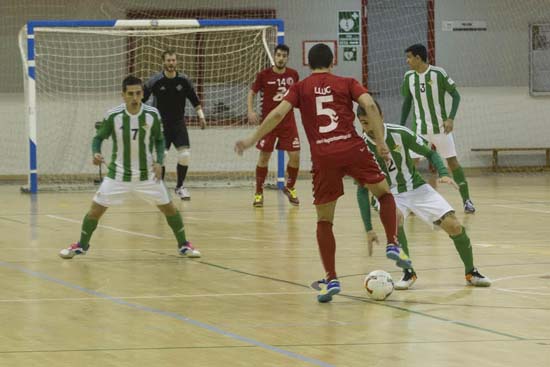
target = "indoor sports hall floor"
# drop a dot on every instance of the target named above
(131, 301)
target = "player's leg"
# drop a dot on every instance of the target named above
(110, 192)
(156, 191)
(292, 170)
(89, 224)
(446, 148)
(327, 188)
(460, 179)
(174, 220)
(261, 174)
(450, 224)
(388, 216)
(181, 142)
(327, 250)
(433, 171)
(289, 141)
(265, 146)
(365, 170)
(167, 144)
(402, 201)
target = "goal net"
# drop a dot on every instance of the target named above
(75, 71)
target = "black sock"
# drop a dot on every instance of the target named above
(182, 172)
(163, 172)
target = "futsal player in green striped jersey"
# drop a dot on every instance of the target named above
(135, 130)
(424, 88)
(413, 194)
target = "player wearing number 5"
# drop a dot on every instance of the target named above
(273, 83)
(326, 106)
(135, 130)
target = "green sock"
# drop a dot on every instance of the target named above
(176, 223)
(88, 227)
(464, 248)
(402, 238)
(460, 179)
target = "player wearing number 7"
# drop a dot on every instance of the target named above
(135, 130)
(273, 83)
(326, 106)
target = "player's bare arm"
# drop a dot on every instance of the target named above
(448, 180)
(448, 125)
(252, 115)
(200, 114)
(372, 239)
(98, 159)
(268, 124)
(157, 170)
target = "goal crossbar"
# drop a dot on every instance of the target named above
(134, 24)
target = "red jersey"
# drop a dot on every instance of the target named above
(273, 87)
(326, 105)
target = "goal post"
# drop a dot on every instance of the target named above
(73, 74)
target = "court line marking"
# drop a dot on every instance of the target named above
(278, 345)
(107, 227)
(175, 296)
(521, 291)
(520, 276)
(261, 294)
(172, 315)
(366, 300)
(451, 321)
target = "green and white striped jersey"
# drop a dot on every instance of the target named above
(400, 171)
(134, 137)
(428, 94)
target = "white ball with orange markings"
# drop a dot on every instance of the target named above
(379, 285)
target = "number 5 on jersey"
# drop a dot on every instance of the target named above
(326, 112)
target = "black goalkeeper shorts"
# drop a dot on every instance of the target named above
(177, 135)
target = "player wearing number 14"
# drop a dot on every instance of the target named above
(273, 83)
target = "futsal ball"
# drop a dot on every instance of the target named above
(379, 285)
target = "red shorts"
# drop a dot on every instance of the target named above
(286, 136)
(329, 171)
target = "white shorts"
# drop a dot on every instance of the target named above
(113, 192)
(444, 144)
(423, 201)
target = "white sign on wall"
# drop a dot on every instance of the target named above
(463, 25)
(349, 28)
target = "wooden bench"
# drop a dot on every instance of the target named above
(496, 150)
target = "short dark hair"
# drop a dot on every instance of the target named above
(131, 80)
(167, 52)
(361, 111)
(283, 47)
(320, 56)
(418, 49)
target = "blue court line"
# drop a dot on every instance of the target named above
(173, 315)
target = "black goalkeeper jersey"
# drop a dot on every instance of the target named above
(169, 96)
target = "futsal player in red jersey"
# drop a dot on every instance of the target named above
(273, 83)
(326, 107)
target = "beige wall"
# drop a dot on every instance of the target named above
(490, 68)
